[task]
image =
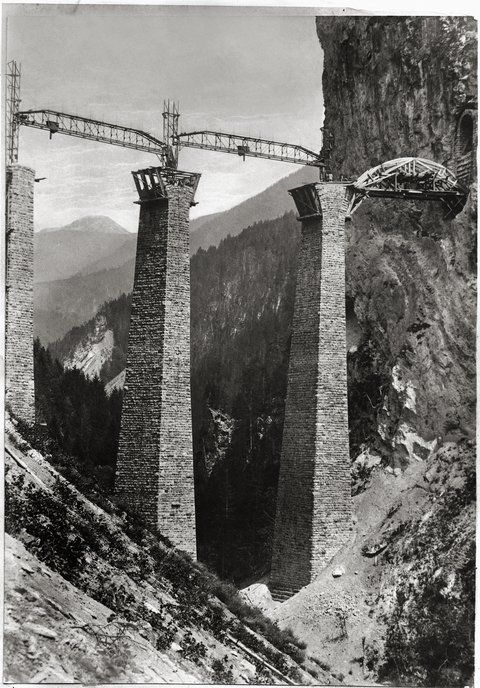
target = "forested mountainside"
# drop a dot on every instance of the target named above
(271, 203)
(80, 266)
(242, 305)
(62, 304)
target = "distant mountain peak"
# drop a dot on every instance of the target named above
(99, 223)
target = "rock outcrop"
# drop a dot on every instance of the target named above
(94, 350)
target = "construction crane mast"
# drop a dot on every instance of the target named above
(171, 116)
(12, 93)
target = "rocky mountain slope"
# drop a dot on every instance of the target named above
(95, 350)
(98, 347)
(397, 603)
(93, 597)
(63, 304)
(410, 273)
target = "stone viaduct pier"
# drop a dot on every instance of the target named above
(314, 497)
(314, 508)
(19, 380)
(155, 456)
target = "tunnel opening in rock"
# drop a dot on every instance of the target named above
(465, 134)
(464, 147)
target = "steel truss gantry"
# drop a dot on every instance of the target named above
(167, 150)
(95, 130)
(249, 146)
(409, 178)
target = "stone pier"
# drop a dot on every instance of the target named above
(313, 517)
(19, 380)
(155, 457)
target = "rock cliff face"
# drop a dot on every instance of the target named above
(394, 87)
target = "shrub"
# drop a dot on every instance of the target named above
(221, 672)
(192, 649)
(53, 539)
(165, 630)
(262, 675)
(215, 621)
(436, 642)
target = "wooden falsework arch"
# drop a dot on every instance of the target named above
(411, 179)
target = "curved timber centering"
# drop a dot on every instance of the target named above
(410, 179)
(314, 508)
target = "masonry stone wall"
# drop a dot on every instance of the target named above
(155, 456)
(313, 517)
(19, 379)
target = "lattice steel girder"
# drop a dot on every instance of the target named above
(249, 146)
(413, 194)
(94, 130)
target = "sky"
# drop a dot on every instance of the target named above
(251, 72)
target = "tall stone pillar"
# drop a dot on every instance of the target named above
(19, 380)
(155, 457)
(314, 497)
